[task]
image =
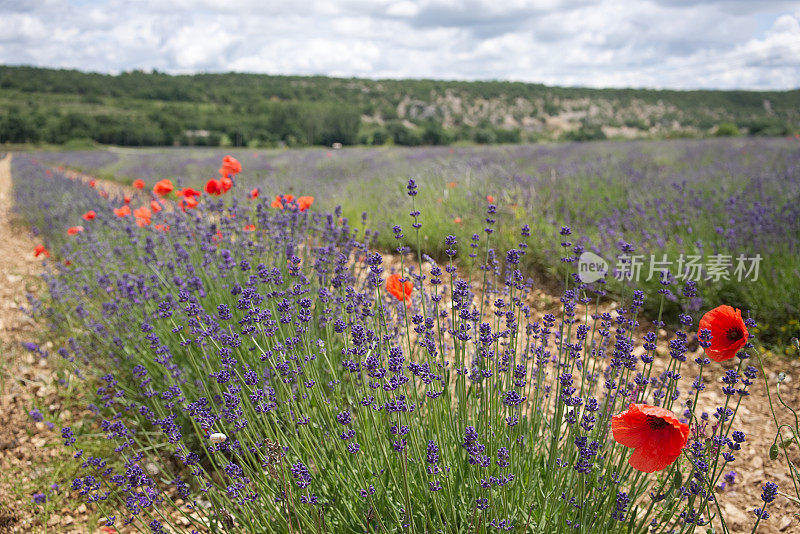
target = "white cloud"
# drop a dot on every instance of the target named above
(635, 43)
(402, 9)
(21, 27)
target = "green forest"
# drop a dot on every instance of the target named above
(233, 109)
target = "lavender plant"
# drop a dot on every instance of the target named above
(271, 381)
(670, 199)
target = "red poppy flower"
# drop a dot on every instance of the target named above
(304, 202)
(226, 184)
(39, 250)
(250, 228)
(400, 290)
(189, 203)
(451, 185)
(142, 212)
(155, 206)
(214, 187)
(126, 199)
(654, 433)
(254, 193)
(281, 200)
(89, 215)
(72, 230)
(162, 227)
(490, 199)
(729, 334)
(164, 187)
(143, 222)
(188, 192)
(457, 220)
(138, 184)
(102, 193)
(230, 165)
(92, 183)
(123, 211)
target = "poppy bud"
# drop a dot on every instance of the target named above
(773, 452)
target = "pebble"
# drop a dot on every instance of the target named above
(735, 517)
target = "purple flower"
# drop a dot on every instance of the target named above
(770, 491)
(344, 418)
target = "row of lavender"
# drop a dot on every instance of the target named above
(693, 207)
(258, 370)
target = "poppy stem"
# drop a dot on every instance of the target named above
(778, 425)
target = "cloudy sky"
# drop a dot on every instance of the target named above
(680, 44)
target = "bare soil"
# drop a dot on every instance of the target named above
(31, 454)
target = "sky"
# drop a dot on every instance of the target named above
(667, 44)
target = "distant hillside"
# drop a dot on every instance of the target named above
(138, 108)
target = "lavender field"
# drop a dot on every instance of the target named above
(724, 212)
(242, 357)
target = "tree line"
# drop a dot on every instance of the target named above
(145, 109)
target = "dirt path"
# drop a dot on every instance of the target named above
(31, 455)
